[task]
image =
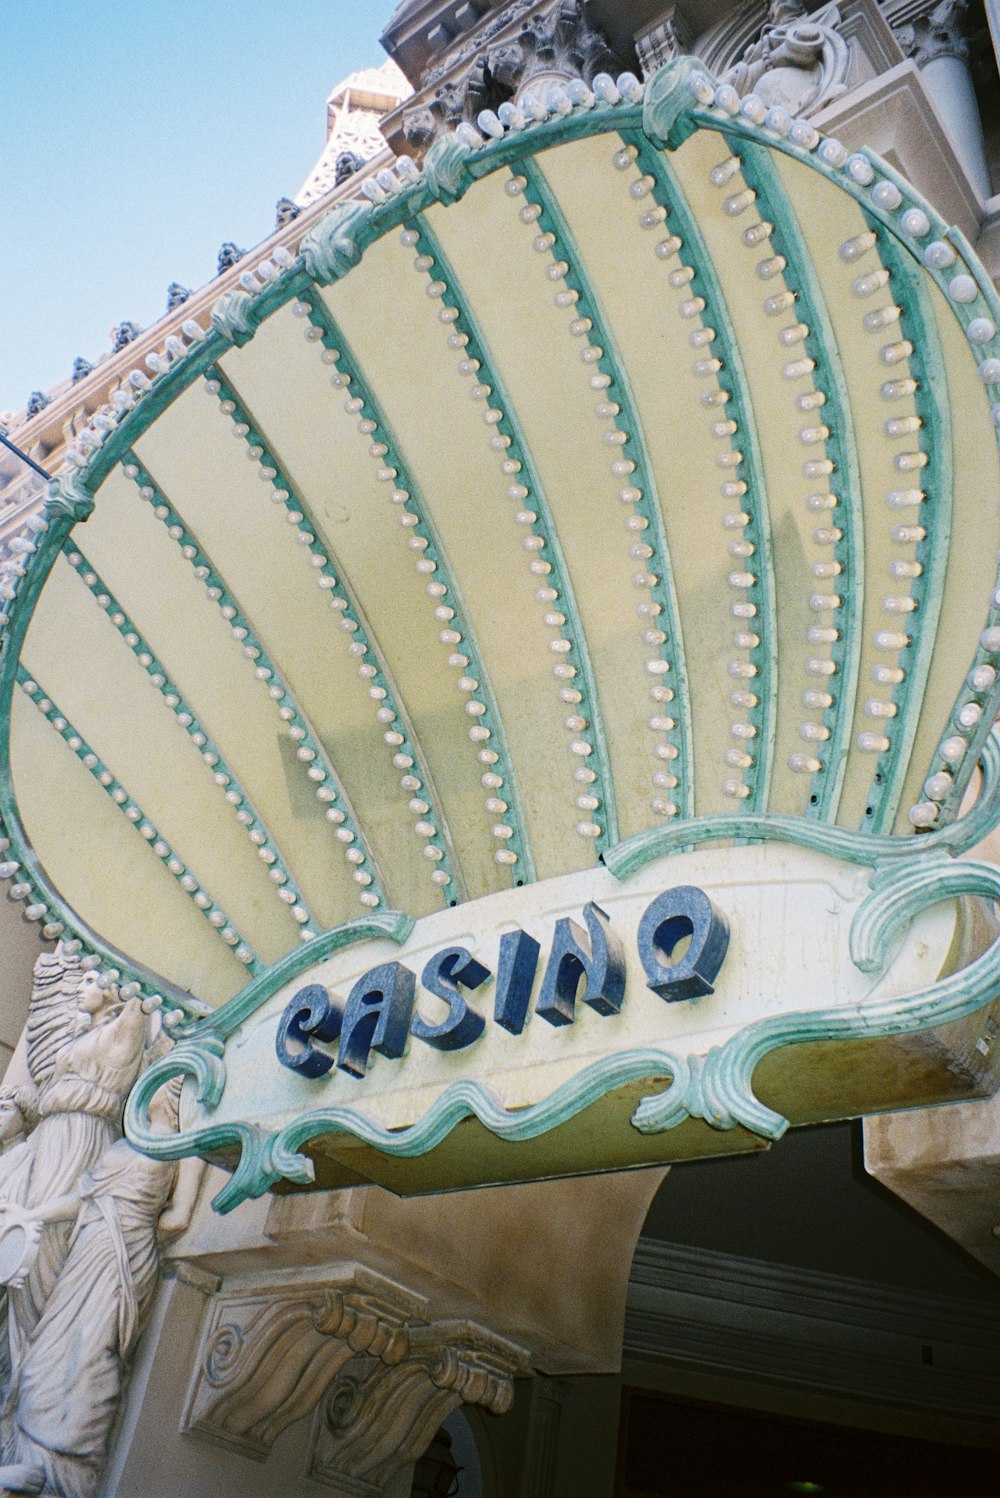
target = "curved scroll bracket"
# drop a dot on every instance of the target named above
(720, 1086)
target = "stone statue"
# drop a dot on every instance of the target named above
(348, 162)
(18, 1115)
(798, 62)
(80, 1212)
(65, 1394)
(84, 1049)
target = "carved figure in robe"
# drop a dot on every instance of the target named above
(798, 62)
(18, 1115)
(84, 1050)
(66, 1392)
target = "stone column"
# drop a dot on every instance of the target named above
(993, 20)
(541, 1454)
(938, 45)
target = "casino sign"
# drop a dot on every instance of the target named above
(519, 684)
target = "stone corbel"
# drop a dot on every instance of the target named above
(376, 1419)
(267, 1356)
(662, 42)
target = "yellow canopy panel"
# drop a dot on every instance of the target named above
(633, 467)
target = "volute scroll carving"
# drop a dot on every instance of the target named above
(267, 1355)
(375, 1420)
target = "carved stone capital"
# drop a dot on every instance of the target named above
(521, 46)
(939, 32)
(375, 1419)
(267, 1356)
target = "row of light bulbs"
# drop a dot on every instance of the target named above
(310, 755)
(234, 794)
(535, 541)
(133, 814)
(367, 663)
(642, 548)
(453, 630)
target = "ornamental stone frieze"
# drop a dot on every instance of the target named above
(664, 41)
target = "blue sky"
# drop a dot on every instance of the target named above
(135, 138)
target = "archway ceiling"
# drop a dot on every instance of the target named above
(637, 484)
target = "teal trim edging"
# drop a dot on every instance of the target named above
(330, 568)
(821, 346)
(716, 1087)
(207, 749)
(897, 894)
(164, 390)
(333, 338)
(932, 404)
(393, 925)
(551, 552)
(217, 919)
(841, 842)
(200, 1048)
(668, 194)
(224, 599)
(611, 364)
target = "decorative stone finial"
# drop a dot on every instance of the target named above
(37, 401)
(177, 295)
(230, 254)
(122, 334)
(331, 246)
(67, 496)
(232, 316)
(348, 162)
(668, 101)
(81, 368)
(444, 168)
(285, 210)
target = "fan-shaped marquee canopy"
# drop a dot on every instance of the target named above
(626, 481)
